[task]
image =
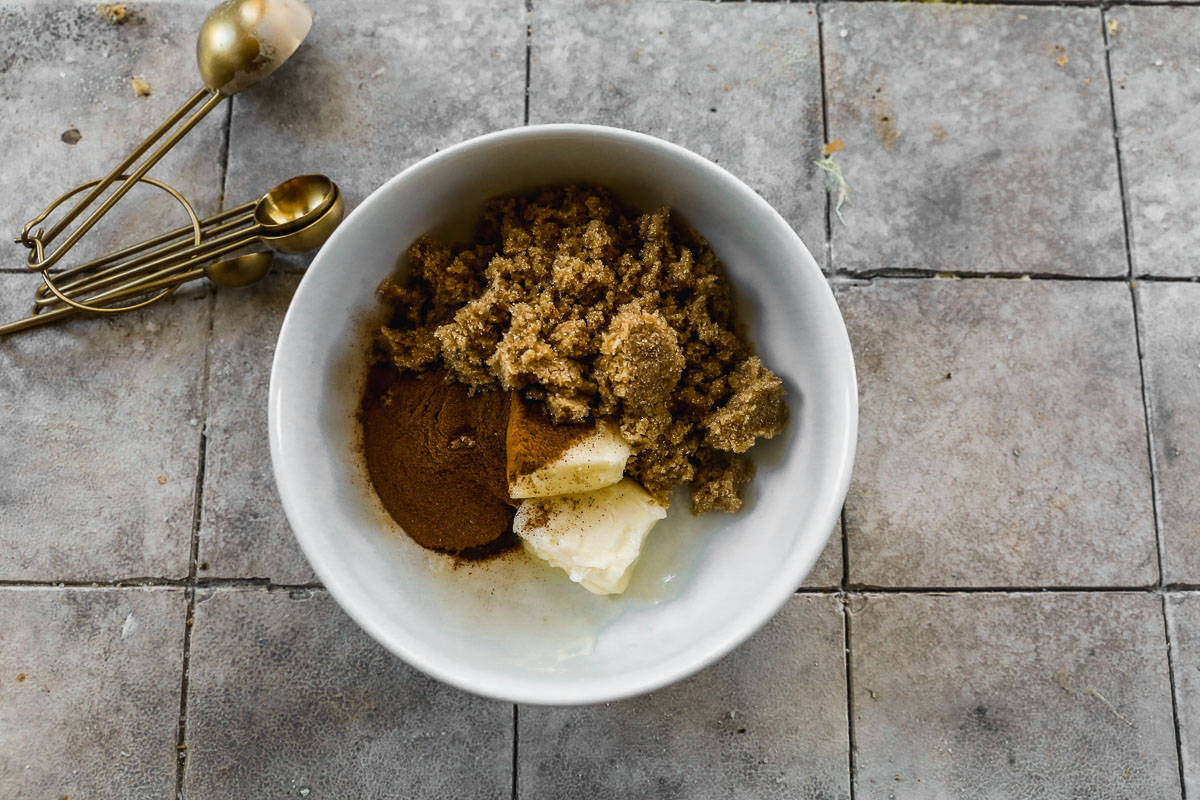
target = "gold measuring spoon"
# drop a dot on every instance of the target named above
(240, 43)
(231, 273)
(296, 216)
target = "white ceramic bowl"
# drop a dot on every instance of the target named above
(513, 628)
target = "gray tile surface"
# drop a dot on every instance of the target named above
(1157, 91)
(1001, 436)
(1183, 617)
(63, 68)
(767, 721)
(968, 147)
(1169, 315)
(739, 84)
(1001, 696)
(288, 698)
(123, 393)
(1027, 466)
(101, 442)
(89, 692)
(376, 87)
(243, 531)
(827, 572)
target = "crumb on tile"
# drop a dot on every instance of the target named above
(836, 146)
(114, 13)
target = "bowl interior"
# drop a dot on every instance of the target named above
(511, 627)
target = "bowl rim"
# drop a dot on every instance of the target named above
(767, 602)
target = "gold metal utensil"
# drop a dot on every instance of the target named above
(234, 272)
(240, 43)
(296, 216)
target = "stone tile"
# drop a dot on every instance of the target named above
(375, 88)
(89, 704)
(978, 138)
(76, 394)
(243, 531)
(67, 68)
(1020, 695)
(1171, 360)
(1001, 439)
(827, 572)
(1183, 618)
(289, 698)
(1157, 91)
(739, 84)
(768, 720)
(101, 440)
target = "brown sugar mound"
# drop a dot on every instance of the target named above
(593, 310)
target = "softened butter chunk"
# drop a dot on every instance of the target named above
(545, 459)
(595, 537)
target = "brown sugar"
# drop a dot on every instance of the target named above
(596, 312)
(436, 458)
(754, 408)
(640, 360)
(718, 482)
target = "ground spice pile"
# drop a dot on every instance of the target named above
(595, 311)
(533, 440)
(436, 456)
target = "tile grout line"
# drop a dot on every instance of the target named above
(528, 54)
(851, 777)
(165, 583)
(829, 235)
(1015, 589)
(261, 584)
(845, 551)
(516, 728)
(892, 273)
(1147, 417)
(190, 592)
(1062, 4)
(1133, 298)
(193, 553)
(1014, 3)
(1126, 211)
(824, 133)
(1122, 189)
(225, 136)
(849, 673)
(1154, 508)
(258, 584)
(1183, 792)
(181, 754)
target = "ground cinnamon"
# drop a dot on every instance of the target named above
(437, 459)
(534, 440)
